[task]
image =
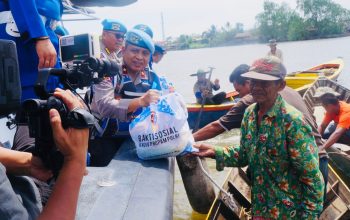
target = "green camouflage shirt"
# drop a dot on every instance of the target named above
(283, 157)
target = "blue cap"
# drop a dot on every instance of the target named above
(113, 25)
(159, 48)
(140, 39)
(144, 28)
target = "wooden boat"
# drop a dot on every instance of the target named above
(237, 184)
(301, 81)
(210, 113)
(339, 160)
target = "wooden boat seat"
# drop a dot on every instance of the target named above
(142, 188)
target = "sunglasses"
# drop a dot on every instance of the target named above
(119, 36)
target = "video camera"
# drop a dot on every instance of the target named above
(10, 90)
(35, 112)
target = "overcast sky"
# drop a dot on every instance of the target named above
(181, 16)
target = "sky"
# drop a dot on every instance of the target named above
(180, 16)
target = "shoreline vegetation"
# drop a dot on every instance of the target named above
(311, 19)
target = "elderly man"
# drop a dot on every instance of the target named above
(117, 100)
(274, 51)
(233, 118)
(279, 148)
(338, 112)
(112, 40)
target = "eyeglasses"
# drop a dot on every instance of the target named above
(119, 36)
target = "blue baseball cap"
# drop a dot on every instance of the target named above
(113, 25)
(159, 48)
(140, 39)
(144, 28)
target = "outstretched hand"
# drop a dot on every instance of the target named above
(205, 150)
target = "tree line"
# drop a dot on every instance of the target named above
(310, 19)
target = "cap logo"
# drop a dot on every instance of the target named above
(262, 67)
(143, 27)
(134, 39)
(116, 26)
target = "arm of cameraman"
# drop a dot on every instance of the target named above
(23, 163)
(73, 145)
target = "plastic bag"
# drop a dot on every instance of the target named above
(161, 130)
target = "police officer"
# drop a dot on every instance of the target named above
(112, 39)
(116, 101)
(31, 25)
(158, 54)
(145, 28)
(148, 30)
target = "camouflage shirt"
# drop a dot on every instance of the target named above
(283, 157)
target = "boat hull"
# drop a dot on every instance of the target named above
(209, 113)
(301, 81)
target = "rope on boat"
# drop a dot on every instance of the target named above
(227, 198)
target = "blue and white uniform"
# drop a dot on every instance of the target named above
(22, 21)
(112, 96)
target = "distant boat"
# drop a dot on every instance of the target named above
(210, 113)
(302, 80)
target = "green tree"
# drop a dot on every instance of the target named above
(184, 41)
(274, 21)
(323, 17)
(296, 30)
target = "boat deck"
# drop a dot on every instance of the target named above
(128, 188)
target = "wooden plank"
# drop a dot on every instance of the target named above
(237, 195)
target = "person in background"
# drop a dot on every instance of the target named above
(274, 51)
(117, 100)
(31, 25)
(203, 89)
(112, 39)
(158, 54)
(279, 148)
(338, 112)
(18, 193)
(145, 28)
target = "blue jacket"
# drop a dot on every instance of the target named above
(26, 14)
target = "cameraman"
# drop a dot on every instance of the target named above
(20, 193)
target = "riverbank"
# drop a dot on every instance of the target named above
(173, 46)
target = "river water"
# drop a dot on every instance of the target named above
(178, 65)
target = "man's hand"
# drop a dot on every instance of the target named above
(205, 93)
(38, 170)
(46, 53)
(151, 96)
(204, 150)
(71, 142)
(216, 82)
